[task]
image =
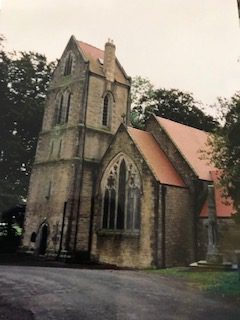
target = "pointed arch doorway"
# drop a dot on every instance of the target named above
(43, 239)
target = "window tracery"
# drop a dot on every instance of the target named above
(121, 193)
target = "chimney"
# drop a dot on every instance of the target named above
(109, 60)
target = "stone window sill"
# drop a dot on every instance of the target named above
(121, 233)
(106, 128)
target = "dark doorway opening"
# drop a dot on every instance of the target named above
(43, 239)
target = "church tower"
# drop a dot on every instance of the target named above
(88, 98)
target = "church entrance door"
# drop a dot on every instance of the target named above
(43, 239)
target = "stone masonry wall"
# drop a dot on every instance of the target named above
(85, 207)
(179, 227)
(229, 238)
(119, 247)
(74, 83)
(62, 147)
(96, 144)
(97, 89)
(197, 188)
(46, 199)
(98, 137)
(58, 152)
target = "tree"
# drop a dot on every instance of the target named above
(24, 79)
(11, 228)
(225, 143)
(142, 96)
(172, 104)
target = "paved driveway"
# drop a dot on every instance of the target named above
(57, 293)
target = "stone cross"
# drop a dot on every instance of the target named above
(213, 255)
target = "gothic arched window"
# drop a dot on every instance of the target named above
(63, 108)
(133, 205)
(121, 195)
(105, 222)
(109, 205)
(60, 110)
(68, 107)
(68, 65)
(106, 110)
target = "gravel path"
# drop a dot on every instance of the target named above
(56, 293)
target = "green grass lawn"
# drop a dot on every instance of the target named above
(219, 282)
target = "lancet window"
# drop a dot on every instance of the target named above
(60, 110)
(68, 65)
(68, 107)
(63, 109)
(106, 111)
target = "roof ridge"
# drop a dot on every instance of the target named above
(185, 125)
(144, 131)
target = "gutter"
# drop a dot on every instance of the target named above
(160, 207)
(163, 191)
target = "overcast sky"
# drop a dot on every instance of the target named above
(192, 45)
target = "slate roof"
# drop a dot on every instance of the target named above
(93, 54)
(189, 141)
(155, 158)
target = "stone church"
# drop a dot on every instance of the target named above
(104, 190)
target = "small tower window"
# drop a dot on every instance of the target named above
(60, 111)
(63, 108)
(105, 113)
(68, 65)
(68, 107)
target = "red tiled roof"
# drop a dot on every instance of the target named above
(204, 211)
(189, 141)
(93, 54)
(224, 207)
(155, 158)
(91, 51)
